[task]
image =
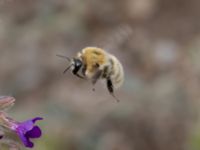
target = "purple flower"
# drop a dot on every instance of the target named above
(27, 130)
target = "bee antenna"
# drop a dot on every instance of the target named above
(67, 69)
(64, 57)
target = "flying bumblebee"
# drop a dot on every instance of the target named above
(95, 63)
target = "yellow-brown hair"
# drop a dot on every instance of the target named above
(93, 56)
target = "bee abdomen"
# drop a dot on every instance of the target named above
(117, 73)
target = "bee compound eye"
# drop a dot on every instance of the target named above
(76, 62)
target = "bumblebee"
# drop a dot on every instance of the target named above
(95, 63)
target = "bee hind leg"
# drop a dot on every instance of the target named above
(111, 89)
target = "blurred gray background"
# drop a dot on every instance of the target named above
(158, 43)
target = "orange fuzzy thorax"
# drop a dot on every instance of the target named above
(92, 56)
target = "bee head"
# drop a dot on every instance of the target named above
(76, 65)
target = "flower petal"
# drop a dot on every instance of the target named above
(28, 125)
(34, 133)
(25, 140)
(36, 119)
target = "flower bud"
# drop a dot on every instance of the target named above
(6, 102)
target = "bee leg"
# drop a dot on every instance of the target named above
(79, 76)
(110, 86)
(96, 77)
(75, 72)
(111, 89)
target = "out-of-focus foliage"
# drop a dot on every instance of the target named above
(157, 42)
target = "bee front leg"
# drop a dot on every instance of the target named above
(75, 72)
(79, 76)
(111, 88)
(96, 77)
